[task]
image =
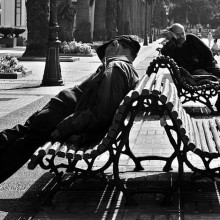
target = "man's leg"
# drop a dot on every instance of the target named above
(17, 153)
(14, 156)
(10, 135)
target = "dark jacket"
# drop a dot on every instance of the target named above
(192, 55)
(93, 103)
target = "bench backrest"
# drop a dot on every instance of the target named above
(153, 87)
(182, 78)
(198, 135)
(119, 129)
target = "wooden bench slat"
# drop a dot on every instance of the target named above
(87, 153)
(192, 139)
(130, 96)
(203, 142)
(215, 134)
(180, 119)
(209, 138)
(102, 147)
(158, 85)
(34, 160)
(180, 115)
(133, 94)
(115, 126)
(184, 127)
(118, 116)
(197, 136)
(175, 109)
(189, 125)
(35, 156)
(148, 87)
(141, 84)
(112, 133)
(121, 108)
(171, 97)
(79, 154)
(72, 151)
(165, 91)
(94, 153)
(63, 149)
(217, 121)
(45, 148)
(54, 148)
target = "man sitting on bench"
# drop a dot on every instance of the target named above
(190, 53)
(83, 112)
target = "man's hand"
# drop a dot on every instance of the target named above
(169, 35)
(74, 139)
(55, 134)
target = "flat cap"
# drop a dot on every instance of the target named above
(125, 39)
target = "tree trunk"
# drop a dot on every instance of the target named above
(120, 17)
(127, 17)
(83, 24)
(147, 22)
(37, 26)
(111, 19)
(65, 17)
(99, 21)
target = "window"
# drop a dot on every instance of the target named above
(17, 13)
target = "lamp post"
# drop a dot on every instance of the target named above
(167, 14)
(52, 72)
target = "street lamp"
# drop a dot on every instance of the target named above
(167, 8)
(52, 72)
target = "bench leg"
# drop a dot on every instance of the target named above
(120, 185)
(137, 162)
(176, 187)
(54, 189)
(167, 167)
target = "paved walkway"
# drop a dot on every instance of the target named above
(21, 195)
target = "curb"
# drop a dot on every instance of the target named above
(61, 59)
(15, 75)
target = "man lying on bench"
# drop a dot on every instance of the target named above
(83, 112)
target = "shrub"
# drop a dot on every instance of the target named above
(75, 47)
(10, 64)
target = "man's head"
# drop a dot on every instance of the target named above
(120, 45)
(179, 31)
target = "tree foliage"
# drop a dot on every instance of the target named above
(195, 11)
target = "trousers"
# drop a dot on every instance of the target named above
(17, 144)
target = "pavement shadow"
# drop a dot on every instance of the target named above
(97, 200)
(29, 204)
(93, 199)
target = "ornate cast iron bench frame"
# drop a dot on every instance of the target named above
(63, 159)
(190, 88)
(155, 94)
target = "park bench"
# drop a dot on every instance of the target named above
(154, 94)
(70, 163)
(190, 88)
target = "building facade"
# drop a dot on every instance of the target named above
(13, 14)
(94, 20)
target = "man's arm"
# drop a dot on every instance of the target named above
(168, 48)
(203, 50)
(112, 90)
